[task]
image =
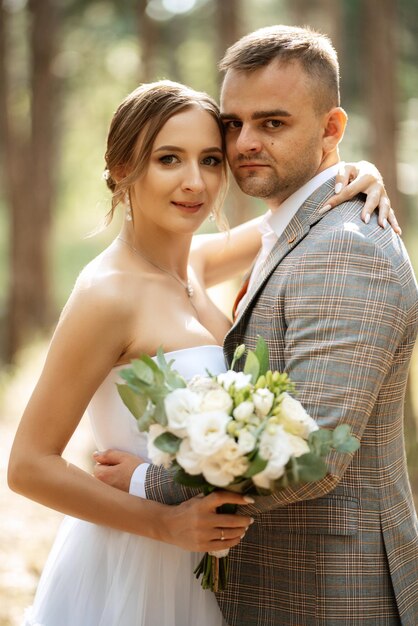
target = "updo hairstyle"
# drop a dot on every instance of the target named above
(142, 114)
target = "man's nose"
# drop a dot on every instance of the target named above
(248, 140)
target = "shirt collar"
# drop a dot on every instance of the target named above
(277, 221)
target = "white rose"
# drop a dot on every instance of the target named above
(202, 384)
(188, 459)
(179, 405)
(216, 400)
(263, 401)
(274, 447)
(239, 379)
(222, 468)
(157, 456)
(246, 442)
(275, 444)
(243, 411)
(207, 432)
(294, 418)
(298, 445)
(273, 470)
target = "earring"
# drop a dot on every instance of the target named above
(211, 216)
(128, 213)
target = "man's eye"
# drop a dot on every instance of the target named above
(211, 160)
(168, 159)
(273, 123)
(232, 125)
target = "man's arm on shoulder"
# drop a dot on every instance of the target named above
(345, 321)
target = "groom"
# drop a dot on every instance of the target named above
(336, 301)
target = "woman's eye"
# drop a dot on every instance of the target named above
(168, 159)
(211, 160)
(273, 123)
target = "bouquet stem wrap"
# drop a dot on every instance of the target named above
(213, 567)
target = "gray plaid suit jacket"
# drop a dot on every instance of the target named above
(337, 304)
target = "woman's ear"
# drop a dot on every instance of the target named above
(334, 127)
(119, 173)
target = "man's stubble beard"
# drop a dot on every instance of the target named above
(280, 187)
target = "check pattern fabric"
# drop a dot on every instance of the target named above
(337, 303)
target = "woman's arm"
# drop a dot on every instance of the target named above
(88, 341)
(221, 256)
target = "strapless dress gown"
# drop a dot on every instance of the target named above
(97, 576)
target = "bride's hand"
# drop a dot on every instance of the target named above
(195, 525)
(115, 467)
(364, 177)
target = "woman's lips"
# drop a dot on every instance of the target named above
(188, 207)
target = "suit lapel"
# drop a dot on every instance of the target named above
(296, 230)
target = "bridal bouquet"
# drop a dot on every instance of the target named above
(241, 431)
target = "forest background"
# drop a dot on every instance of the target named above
(64, 67)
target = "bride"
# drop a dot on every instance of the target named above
(119, 560)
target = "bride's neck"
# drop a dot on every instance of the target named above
(169, 250)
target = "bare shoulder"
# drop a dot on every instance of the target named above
(101, 313)
(104, 288)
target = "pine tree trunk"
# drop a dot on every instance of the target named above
(229, 28)
(380, 58)
(379, 20)
(29, 170)
(148, 38)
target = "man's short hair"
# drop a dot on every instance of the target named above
(313, 50)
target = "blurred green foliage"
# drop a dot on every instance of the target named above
(99, 62)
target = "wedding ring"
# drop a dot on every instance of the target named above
(222, 535)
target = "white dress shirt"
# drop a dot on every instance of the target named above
(272, 226)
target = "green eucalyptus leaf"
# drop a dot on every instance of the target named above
(147, 418)
(310, 468)
(172, 377)
(158, 374)
(262, 353)
(320, 441)
(167, 442)
(252, 366)
(137, 404)
(256, 466)
(143, 371)
(159, 413)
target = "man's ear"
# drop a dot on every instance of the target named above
(334, 127)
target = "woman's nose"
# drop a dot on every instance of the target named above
(193, 179)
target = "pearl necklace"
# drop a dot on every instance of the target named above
(186, 285)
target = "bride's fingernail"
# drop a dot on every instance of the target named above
(96, 453)
(385, 223)
(249, 500)
(367, 218)
(324, 209)
(338, 187)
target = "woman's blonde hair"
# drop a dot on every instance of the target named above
(142, 114)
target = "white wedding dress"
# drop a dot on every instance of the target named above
(97, 576)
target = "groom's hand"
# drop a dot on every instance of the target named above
(115, 467)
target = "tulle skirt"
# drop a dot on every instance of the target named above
(96, 576)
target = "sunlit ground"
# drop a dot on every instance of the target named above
(27, 529)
